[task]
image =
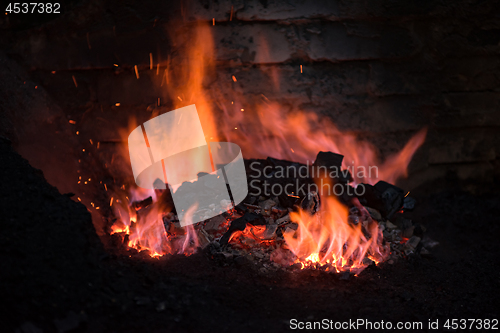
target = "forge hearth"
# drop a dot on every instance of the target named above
(268, 231)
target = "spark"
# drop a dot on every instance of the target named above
(74, 81)
(117, 104)
(150, 61)
(300, 69)
(231, 16)
(213, 21)
(242, 110)
(136, 72)
(234, 78)
(72, 122)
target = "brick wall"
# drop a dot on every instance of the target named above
(383, 69)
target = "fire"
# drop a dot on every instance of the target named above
(327, 238)
(146, 227)
(265, 128)
(251, 237)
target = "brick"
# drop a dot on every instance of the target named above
(332, 41)
(105, 86)
(463, 146)
(386, 8)
(377, 115)
(452, 38)
(471, 73)
(403, 77)
(249, 10)
(468, 109)
(285, 10)
(256, 43)
(318, 83)
(56, 52)
(273, 10)
(337, 41)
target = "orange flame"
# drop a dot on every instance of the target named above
(326, 238)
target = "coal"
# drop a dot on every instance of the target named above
(287, 200)
(283, 220)
(270, 232)
(328, 162)
(240, 224)
(375, 214)
(310, 203)
(241, 208)
(328, 159)
(384, 197)
(409, 203)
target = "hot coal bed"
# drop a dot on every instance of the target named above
(311, 92)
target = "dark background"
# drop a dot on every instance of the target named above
(382, 69)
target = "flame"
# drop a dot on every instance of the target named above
(188, 73)
(146, 228)
(326, 238)
(265, 128)
(301, 135)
